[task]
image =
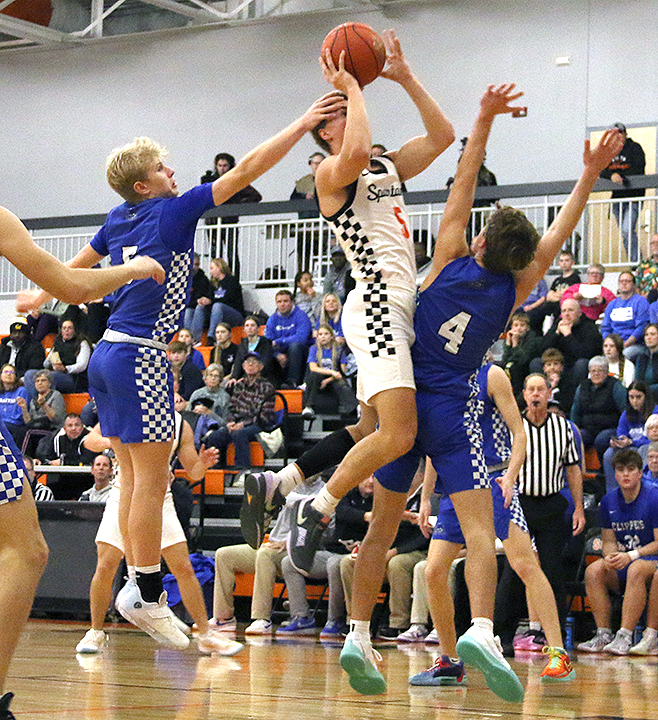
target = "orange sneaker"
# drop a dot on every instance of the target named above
(559, 668)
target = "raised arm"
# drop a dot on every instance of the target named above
(451, 240)
(419, 152)
(595, 161)
(260, 159)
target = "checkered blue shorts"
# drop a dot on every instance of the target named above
(12, 470)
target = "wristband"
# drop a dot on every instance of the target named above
(633, 555)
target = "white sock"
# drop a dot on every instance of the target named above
(148, 569)
(360, 627)
(290, 477)
(325, 502)
(603, 631)
(624, 632)
(534, 626)
(132, 572)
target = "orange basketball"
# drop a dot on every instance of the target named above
(365, 53)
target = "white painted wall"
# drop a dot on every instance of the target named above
(199, 92)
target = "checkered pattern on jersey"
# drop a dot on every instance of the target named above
(12, 475)
(151, 376)
(173, 302)
(378, 321)
(501, 436)
(474, 409)
(357, 246)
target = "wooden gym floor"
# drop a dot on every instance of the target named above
(293, 680)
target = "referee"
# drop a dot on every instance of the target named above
(550, 453)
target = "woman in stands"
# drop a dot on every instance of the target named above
(185, 336)
(646, 363)
(227, 305)
(46, 410)
(306, 298)
(253, 342)
(212, 377)
(618, 365)
(13, 415)
(330, 314)
(225, 350)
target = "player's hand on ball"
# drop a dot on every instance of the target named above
(144, 267)
(496, 100)
(337, 76)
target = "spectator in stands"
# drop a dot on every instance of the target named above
(338, 278)
(42, 493)
(265, 563)
(308, 234)
(228, 243)
(351, 524)
(646, 363)
(591, 295)
(186, 373)
(576, 337)
(551, 308)
(331, 313)
(225, 350)
(45, 320)
(561, 385)
(20, 349)
(409, 547)
(630, 429)
(101, 471)
(651, 431)
(633, 504)
(650, 473)
(536, 298)
(65, 447)
(67, 359)
(14, 415)
(420, 253)
(289, 329)
(46, 409)
(646, 273)
(305, 187)
(521, 346)
(627, 315)
(196, 314)
(185, 336)
(252, 341)
(306, 298)
(619, 366)
(629, 162)
(212, 390)
(597, 406)
(227, 304)
(209, 428)
(326, 376)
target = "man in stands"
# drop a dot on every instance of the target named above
(289, 329)
(20, 349)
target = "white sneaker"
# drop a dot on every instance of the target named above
(259, 627)
(93, 641)
(154, 618)
(596, 644)
(646, 646)
(620, 644)
(432, 638)
(214, 643)
(415, 634)
(359, 660)
(225, 626)
(182, 626)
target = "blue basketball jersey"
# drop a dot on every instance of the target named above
(458, 317)
(497, 443)
(633, 523)
(162, 228)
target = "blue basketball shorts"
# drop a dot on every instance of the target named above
(12, 470)
(134, 391)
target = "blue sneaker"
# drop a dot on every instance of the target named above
(480, 649)
(443, 672)
(358, 659)
(334, 630)
(299, 626)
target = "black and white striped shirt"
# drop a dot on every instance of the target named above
(550, 447)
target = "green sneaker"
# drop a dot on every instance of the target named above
(358, 660)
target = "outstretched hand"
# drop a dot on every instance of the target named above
(337, 76)
(143, 267)
(208, 456)
(396, 67)
(496, 100)
(325, 108)
(602, 155)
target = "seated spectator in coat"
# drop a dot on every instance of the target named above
(14, 415)
(289, 329)
(591, 295)
(521, 346)
(326, 377)
(200, 298)
(42, 493)
(331, 313)
(349, 528)
(306, 298)
(536, 299)
(650, 472)
(46, 409)
(551, 307)
(338, 278)
(186, 374)
(20, 349)
(646, 273)
(627, 315)
(629, 558)
(227, 304)
(561, 385)
(101, 471)
(630, 429)
(597, 406)
(209, 429)
(185, 336)
(576, 337)
(265, 563)
(66, 448)
(225, 350)
(651, 431)
(212, 390)
(619, 366)
(67, 359)
(252, 341)
(646, 363)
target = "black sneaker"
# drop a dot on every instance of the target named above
(5, 712)
(306, 528)
(389, 633)
(255, 507)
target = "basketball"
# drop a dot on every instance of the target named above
(365, 53)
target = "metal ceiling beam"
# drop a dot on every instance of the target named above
(195, 14)
(31, 31)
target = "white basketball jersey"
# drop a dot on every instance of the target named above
(373, 228)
